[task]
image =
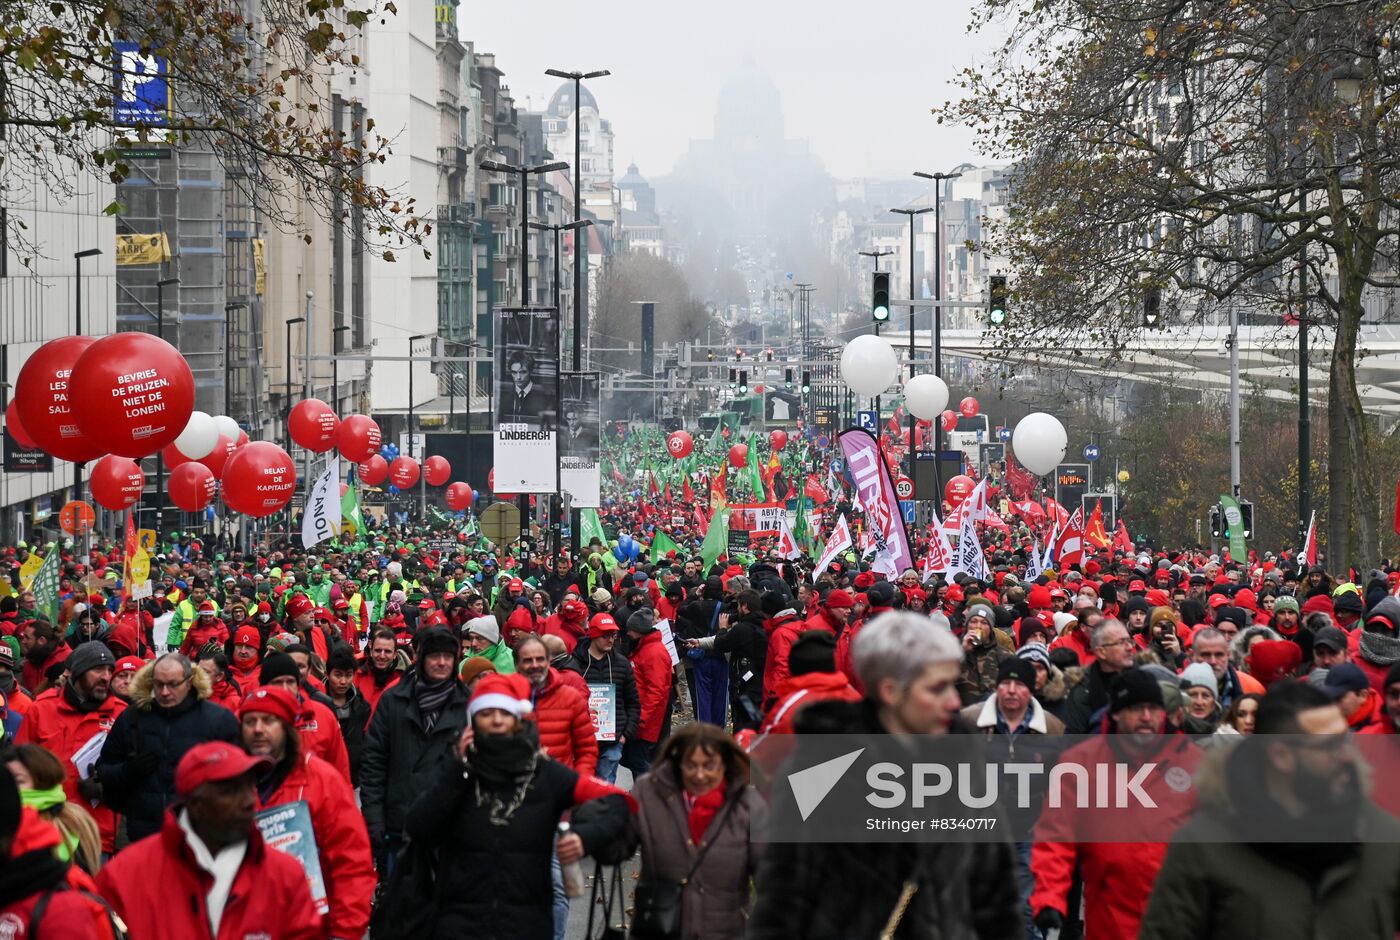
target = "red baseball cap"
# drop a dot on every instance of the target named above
(128, 664)
(273, 701)
(1137, 586)
(247, 636)
(600, 625)
(214, 761)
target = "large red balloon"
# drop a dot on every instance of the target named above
(117, 482)
(777, 440)
(42, 398)
(358, 438)
(373, 471)
(192, 486)
(173, 458)
(968, 407)
(459, 496)
(680, 444)
(403, 472)
(133, 393)
(313, 424)
(738, 455)
(259, 479)
(958, 488)
(949, 420)
(217, 459)
(16, 427)
(438, 470)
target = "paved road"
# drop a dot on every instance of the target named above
(578, 910)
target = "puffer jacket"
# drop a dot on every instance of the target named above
(169, 733)
(566, 728)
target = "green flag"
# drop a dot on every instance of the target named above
(45, 585)
(350, 508)
(1234, 524)
(591, 527)
(660, 545)
(717, 538)
(755, 474)
(471, 528)
(801, 531)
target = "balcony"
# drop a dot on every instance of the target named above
(453, 158)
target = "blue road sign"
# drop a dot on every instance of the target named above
(1091, 452)
(1004, 434)
(906, 506)
(867, 420)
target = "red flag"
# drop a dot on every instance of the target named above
(1310, 542)
(814, 490)
(1057, 513)
(1069, 547)
(653, 491)
(687, 493)
(1094, 532)
(1121, 541)
(666, 493)
(1020, 481)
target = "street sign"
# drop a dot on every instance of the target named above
(1004, 434)
(1091, 452)
(904, 488)
(501, 523)
(907, 508)
(867, 420)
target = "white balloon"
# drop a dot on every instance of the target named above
(1039, 442)
(925, 396)
(198, 438)
(226, 426)
(868, 365)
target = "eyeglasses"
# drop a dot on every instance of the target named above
(160, 686)
(1125, 641)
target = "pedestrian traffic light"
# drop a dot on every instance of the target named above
(880, 297)
(996, 300)
(787, 378)
(806, 382)
(1247, 519)
(1152, 307)
(743, 381)
(733, 379)
(738, 355)
(1217, 519)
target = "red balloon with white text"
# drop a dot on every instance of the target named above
(117, 482)
(133, 393)
(259, 479)
(373, 471)
(192, 486)
(437, 469)
(312, 424)
(43, 400)
(358, 438)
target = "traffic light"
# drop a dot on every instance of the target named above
(710, 355)
(806, 382)
(769, 354)
(743, 381)
(996, 300)
(787, 378)
(880, 297)
(738, 355)
(1247, 519)
(1152, 307)
(1217, 522)
(733, 379)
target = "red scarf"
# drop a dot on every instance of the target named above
(701, 811)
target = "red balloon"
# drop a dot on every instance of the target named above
(242, 439)
(777, 440)
(958, 488)
(968, 407)
(117, 482)
(173, 458)
(192, 486)
(949, 419)
(373, 471)
(16, 428)
(358, 438)
(312, 424)
(403, 472)
(680, 444)
(437, 469)
(133, 393)
(42, 400)
(217, 459)
(459, 496)
(738, 455)
(259, 479)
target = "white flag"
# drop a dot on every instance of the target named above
(1034, 566)
(968, 557)
(840, 542)
(940, 553)
(321, 520)
(787, 544)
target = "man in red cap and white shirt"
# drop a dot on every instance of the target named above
(603, 665)
(268, 720)
(211, 857)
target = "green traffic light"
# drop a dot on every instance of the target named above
(998, 316)
(882, 313)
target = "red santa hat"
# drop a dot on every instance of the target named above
(509, 693)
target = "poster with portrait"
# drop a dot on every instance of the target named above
(527, 399)
(578, 439)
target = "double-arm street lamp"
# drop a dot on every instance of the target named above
(524, 172)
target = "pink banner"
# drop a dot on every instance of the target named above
(875, 490)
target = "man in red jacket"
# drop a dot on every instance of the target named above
(561, 713)
(208, 873)
(377, 674)
(652, 666)
(881, 597)
(66, 720)
(569, 623)
(783, 626)
(813, 678)
(268, 719)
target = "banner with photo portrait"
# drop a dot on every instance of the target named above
(527, 399)
(579, 472)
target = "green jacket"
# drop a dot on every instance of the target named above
(499, 654)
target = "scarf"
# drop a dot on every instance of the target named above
(8, 683)
(41, 800)
(431, 698)
(501, 768)
(701, 810)
(84, 705)
(29, 874)
(1380, 649)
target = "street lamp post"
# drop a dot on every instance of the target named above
(160, 460)
(938, 180)
(78, 257)
(287, 384)
(524, 172)
(412, 451)
(578, 78)
(336, 350)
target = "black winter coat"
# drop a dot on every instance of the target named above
(169, 733)
(617, 669)
(1085, 700)
(495, 881)
(400, 758)
(354, 723)
(746, 642)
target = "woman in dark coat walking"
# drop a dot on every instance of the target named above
(695, 799)
(493, 819)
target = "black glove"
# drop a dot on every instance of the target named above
(1049, 919)
(90, 789)
(139, 766)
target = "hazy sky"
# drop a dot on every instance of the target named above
(857, 80)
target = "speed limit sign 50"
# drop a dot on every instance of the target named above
(904, 488)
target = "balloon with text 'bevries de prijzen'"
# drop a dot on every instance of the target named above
(133, 393)
(458, 496)
(437, 470)
(358, 438)
(44, 400)
(217, 459)
(679, 444)
(198, 438)
(16, 427)
(373, 471)
(116, 482)
(259, 479)
(403, 472)
(312, 424)
(192, 486)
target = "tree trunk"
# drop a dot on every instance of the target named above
(1351, 532)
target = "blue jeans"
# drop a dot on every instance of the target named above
(561, 900)
(609, 756)
(711, 689)
(1025, 882)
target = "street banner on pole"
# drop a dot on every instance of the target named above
(1234, 524)
(527, 396)
(877, 496)
(579, 470)
(321, 520)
